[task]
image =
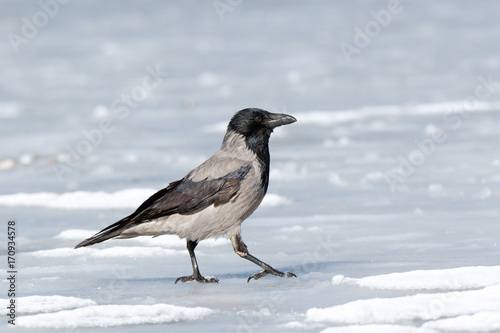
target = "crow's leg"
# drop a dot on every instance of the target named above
(241, 249)
(191, 245)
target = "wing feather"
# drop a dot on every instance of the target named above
(183, 197)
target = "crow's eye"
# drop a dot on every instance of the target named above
(258, 119)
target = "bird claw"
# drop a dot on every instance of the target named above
(197, 278)
(257, 276)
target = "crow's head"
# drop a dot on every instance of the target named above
(255, 127)
(257, 122)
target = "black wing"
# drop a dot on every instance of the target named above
(183, 197)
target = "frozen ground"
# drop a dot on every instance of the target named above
(384, 196)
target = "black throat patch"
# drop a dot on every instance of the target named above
(249, 123)
(258, 142)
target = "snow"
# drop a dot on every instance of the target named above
(328, 118)
(9, 110)
(75, 234)
(383, 196)
(130, 198)
(42, 304)
(377, 328)
(482, 321)
(472, 304)
(425, 307)
(443, 279)
(113, 252)
(114, 315)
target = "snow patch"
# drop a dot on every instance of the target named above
(164, 241)
(328, 118)
(9, 110)
(7, 164)
(273, 200)
(295, 228)
(462, 309)
(337, 181)
(208, 79)
(114, 315)
(435, 188)
(409, 308)
(288, 172)
(444, 279)
(101, 112)
(374, 176)
(112, 252)
(483, 321)
(75, 234)
(377, 329)
(39, 304)
(220, 127)
(125, 199)
(130, 198)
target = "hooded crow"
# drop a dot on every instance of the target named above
(214, 198)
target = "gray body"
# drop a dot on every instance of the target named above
(214, 221)
(214, 198)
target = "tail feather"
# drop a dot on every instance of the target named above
(109, 232)
(148, 210)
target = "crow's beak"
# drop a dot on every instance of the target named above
(273, 120)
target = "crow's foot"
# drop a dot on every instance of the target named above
(197, 278)
(257, 276)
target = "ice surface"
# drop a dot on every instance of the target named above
(383, 196)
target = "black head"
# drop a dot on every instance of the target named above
(256, 126)
(249, 122)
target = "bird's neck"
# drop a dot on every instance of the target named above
(257, 144)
